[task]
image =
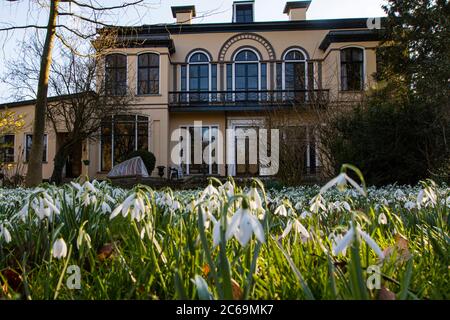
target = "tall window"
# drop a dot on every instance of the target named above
(352, 69)
(295, 74)
(120, 136)
(199, 76)
(193, 163)
(148, 73)
(116, 74)
(7, 148)
(28, 141)
(247, 75)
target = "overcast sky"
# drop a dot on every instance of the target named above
(208, 11)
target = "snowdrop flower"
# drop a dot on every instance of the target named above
(341, 182)
(297, 227)
(281, 211)
(105, 208)
(382, 219)
(76, 186)
(123, 208)
(209, 191)
(426, 197)
(89, 187)
(216, 231)
(83, 236)
(410, 205)
(255, 199)
(399, 194)
(59, 249)
(243, 224)
(4, 233)
(228, 189)
(350, 237)
(317, 203)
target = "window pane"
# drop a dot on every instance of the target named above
(28, 142)
(199, 57)
(7, 148)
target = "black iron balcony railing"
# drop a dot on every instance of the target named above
(242, 98)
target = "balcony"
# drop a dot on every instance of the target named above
(258, 100)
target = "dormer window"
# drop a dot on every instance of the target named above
(243, 12)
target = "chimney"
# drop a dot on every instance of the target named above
(296, 10)
(183, 14)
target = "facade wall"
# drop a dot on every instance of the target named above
(220, 47)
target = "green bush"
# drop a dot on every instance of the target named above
(392, 139)
(148, 158)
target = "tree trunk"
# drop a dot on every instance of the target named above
(60, 162)
(34, 170)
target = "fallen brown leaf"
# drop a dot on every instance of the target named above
(385, 294)
(238, 293)
(105, 252)
(13, 279)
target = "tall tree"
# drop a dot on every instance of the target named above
(417, 46)
(92, 16)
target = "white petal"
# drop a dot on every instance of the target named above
(257, 228)
(234, 223)
(330, 184)
(371, 243)
(116, 212)
(287, 229)
(344, 242)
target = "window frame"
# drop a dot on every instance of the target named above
(26, 147)
(149, 68)
(363, 63)
(235, 10)
(136, 135)
(108, 90)
(283, 67)
(234, 63)
(6, 148)
(187, 155)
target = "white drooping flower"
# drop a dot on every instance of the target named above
(255, 199)
(209, 191)
(83, 237)
(133, 205)
(281, 211)
(59, 249)
(349, 237)
(227, 188)
(4, 233)
(382, 219)
(105, 207)
(242, 225)
(341, 183)
(317, 203)
(410, 205)
(426, 197)
(297, 227)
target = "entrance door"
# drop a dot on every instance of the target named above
(246, 151)
(73, 162)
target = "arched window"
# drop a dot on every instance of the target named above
(295, 75)
(120, 135)
(250, 76)
(352, 69)
(295, 70)
(199, 76)
(148, 73)
(116, 73)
